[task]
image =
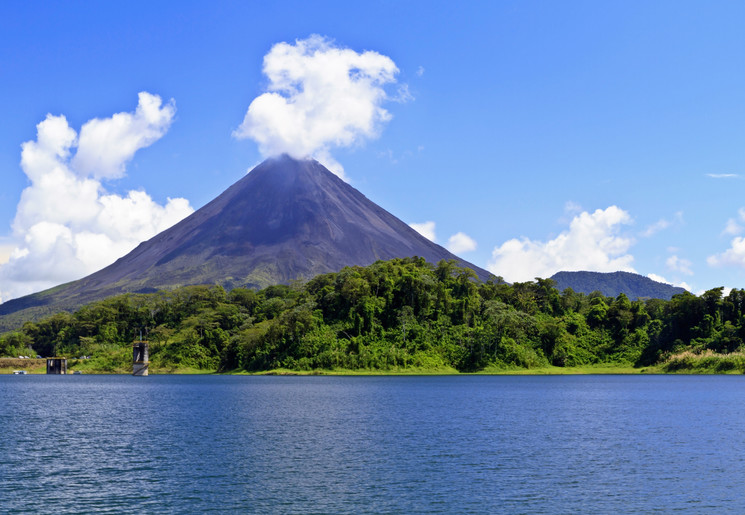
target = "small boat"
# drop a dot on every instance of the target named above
(19, 372)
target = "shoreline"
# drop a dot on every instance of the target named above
(34, 366)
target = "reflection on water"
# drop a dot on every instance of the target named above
(372, 444)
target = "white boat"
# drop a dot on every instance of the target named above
(20, 372)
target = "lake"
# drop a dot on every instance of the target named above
(443, 444)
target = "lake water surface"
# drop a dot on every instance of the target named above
(452, 444)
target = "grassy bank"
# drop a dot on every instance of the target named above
(580, 370)
(93, 367)
(687, 362)
(32, 366)
(706, 362)
(412, 371)
(39, 366)
(549, 370)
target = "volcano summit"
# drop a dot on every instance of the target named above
(285, 220)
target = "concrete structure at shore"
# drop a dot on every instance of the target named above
(56, 365)
(140, 358)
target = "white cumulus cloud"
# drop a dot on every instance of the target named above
(319, 96)
(461, 242)
(6, 249)
(66, 224)
(677, 264)
(734, 225)
(426, 229)
(660, 279)
(593, 243)
(105, 146)
(733, 256)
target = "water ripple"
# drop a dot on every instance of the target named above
(184, 444)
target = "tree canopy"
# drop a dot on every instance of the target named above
(397, 314)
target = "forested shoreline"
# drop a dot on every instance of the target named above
(398, 315)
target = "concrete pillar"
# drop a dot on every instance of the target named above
(140, 358)
(56, 365)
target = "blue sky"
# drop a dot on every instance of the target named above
(555, 135)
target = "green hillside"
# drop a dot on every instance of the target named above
(402, 314)
(612, 284)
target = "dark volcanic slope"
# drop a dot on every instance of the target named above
(635, 286)
(285, 220)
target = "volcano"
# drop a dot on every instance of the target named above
(285, 220)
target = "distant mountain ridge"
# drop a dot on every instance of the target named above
(287, 219)
(612, 284)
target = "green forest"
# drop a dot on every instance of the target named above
(397, 315)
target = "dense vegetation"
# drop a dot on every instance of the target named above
(392, 315)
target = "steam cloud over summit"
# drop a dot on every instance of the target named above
(319, 96)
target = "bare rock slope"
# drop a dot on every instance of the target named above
(285, 220)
